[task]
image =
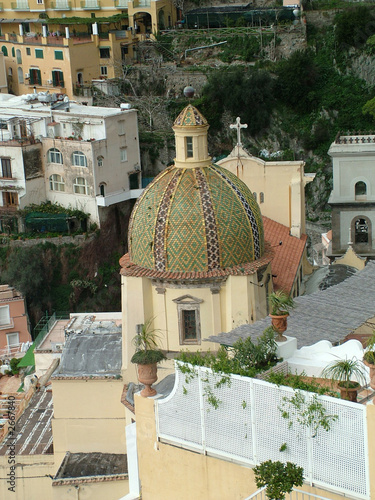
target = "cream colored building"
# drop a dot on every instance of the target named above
(197, 261)
(78, 156)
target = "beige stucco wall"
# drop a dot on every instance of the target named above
(32, 481)
(281, 182)
(235, 302)
(106, 490)
(168, 472)
(88, 416)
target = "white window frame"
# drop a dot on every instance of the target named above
(9, 337)
(123, 155)
(100, 160)
(104, 70)
(79, 159)
(4, 316)
(56, 183)
(188, 303)
(80, 187)
(54, 155)
(121, 127)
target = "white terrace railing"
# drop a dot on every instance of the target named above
(241, 421)
(294, 495)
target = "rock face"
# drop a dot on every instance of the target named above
(363, 66)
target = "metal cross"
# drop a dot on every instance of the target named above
(238, 125)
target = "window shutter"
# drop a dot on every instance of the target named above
(31, 73)
(39, 77)
(54, 80)
(61, 75)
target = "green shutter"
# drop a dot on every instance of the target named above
(39, 53)
(59, 55)
(4, 50)
(61, 79)
(31, 73)
(13, 52)
(54, 80)
(39, 77)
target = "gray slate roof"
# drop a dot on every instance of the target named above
(324, 315)
(76, 465)
(89, 354)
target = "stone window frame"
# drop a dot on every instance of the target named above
(362, 245)
(188, 303)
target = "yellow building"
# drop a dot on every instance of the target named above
(63, 45)
(197, 261)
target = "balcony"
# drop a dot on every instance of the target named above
(141, 3)
(21, 5)
(90, 5)
(118, 197)
(121, 4)
(61, 5)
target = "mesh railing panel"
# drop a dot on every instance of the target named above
(242, 421)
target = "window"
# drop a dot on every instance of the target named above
(105, 52)
(261, 197)
(100, 161)
(54, 156)
(189, 147)
(255, 195)
(79, 159)
(56, 183)
(4, 50)
(361, 231)
(103, 70)
(13, 339)
(188, 310)
(134, 181)
(13, 52)
(360, 190)
(123, 154)
(4, 316)
(35, 76)
(10, 199)
(40, 2)
(28, 51)
(38, 53)
(80, 185)
(57, 78)
(102, 190)
(19, 56)
(6, 169)
(10, 72)
(59, 55)
(121, 127)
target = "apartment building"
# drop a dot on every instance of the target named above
(64, 45)
(14, 325)
(82, 157)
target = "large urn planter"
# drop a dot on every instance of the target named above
(279, 324)
(148, 375)
(147, 356)
(349, 393)
(372, 373)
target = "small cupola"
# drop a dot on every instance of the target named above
(190, 130)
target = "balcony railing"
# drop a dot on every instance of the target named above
(90, 4)
(61, 5)
(21, 5)
(141, 3)
(121, 4)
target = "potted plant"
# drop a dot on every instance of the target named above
(369, 358)
(279, 478)
(280, 304)
(147, 355)
(343, 371)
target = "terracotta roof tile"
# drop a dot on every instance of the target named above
(287, 256)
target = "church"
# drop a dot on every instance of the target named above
(198, 262)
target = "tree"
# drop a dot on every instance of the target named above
(243, 92)
(278, 477)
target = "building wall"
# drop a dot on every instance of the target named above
(32, 481)
(168, 472)
(108, 490)
(3, 75)
(282, 184)
(236, 301)
(88, 416)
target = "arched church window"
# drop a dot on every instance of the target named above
(189, 147)
(360, 189)
(188, 309)
(261, 197)
(255, 195)
(361, 231)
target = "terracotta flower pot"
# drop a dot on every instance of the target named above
(349, 393)
(372, 373)
(280, 324)
(147, 375)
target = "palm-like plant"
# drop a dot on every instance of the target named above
(146, 344)
(280, 303)
(344, 370)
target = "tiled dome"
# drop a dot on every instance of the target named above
(195, 220)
